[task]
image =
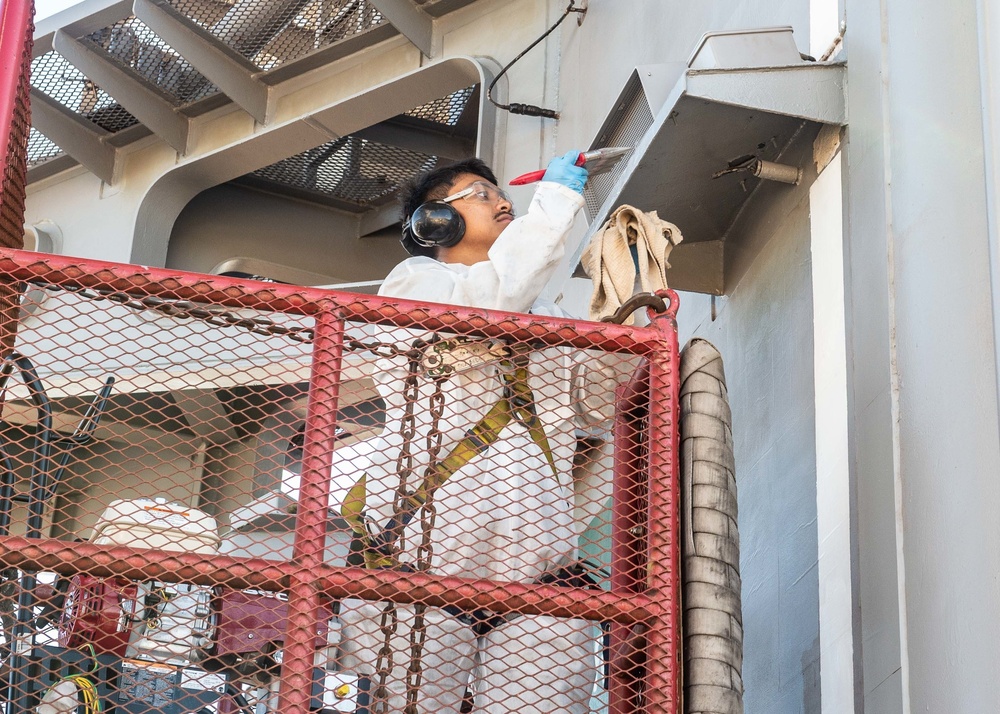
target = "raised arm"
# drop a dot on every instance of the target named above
(520, 262)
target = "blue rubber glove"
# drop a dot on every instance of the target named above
(563, 169)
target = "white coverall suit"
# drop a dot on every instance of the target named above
(504, 515)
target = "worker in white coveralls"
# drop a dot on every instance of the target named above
(507, 511)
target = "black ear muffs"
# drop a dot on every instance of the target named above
(434, 224)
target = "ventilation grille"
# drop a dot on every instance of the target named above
(137, 48)
(53, 75)
(271, 33)
(626, 125)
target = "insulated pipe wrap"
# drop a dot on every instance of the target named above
(713, 620)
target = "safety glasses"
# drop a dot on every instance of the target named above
(479, 192)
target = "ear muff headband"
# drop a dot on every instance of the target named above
(435, 223)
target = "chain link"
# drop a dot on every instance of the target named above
(383, 662)
(404, 468)
(185, 309)
(425, 551)
(434, 439)
(404, 462)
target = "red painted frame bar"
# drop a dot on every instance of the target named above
(628, 544)
(663, 643)
(305, 604)
(15, 18)
(242, 573)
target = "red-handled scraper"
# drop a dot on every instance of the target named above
(596, 160)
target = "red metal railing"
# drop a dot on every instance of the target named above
(644, 557)
(16, 37)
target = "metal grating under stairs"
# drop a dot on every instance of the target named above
(134, 46)
(349, 170)
(446, 110)
(354, 173)
(272, 33)
(54, 76)
(41, 149)
(280, 38)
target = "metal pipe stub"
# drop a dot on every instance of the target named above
(770, 171)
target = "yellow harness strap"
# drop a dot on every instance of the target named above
(376, 550)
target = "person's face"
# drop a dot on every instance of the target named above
(485, 208)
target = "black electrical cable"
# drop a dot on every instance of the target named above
(530, 109)
(238, 698)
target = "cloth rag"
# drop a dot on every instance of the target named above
(609, 263)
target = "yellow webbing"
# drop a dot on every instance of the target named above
(518, 402)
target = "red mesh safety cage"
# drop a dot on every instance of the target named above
(224, 495)
(16, 34)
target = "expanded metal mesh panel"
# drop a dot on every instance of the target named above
(359, 171)
(133, 45)
(271, 33)
(226, 496)
(445, 110)
(350, 169)
(633, 117)
(53, 75)
(40, 148)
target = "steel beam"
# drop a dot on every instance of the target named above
(412, 138)
(227, 69)
(50, 167)
(810, 90)
(409, 19)
(140, 98)
(379, 218)
(81, 139)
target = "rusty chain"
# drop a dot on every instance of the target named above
(404, 469)
(388, 624)
(259, 325)
(404, 462)
(425, 550)
(183, 309)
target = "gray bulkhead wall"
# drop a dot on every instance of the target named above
(764, 329)
(920, 225)
(231, 221)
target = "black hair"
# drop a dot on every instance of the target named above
(435, 184)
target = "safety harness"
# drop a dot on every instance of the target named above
(376, 547)
(517, 403)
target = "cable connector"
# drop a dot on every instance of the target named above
(530, 110)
